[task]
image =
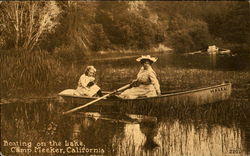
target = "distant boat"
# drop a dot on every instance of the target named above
(212, 50)
(224, 51)
(197, 96)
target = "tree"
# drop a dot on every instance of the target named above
(188, 34)
(75, 30)
(237, 23)
(99, 38)
(129, 25)
(24, 24)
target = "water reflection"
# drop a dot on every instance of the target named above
(95, 133)
(122, 135)
(149, 129)
(213, 59)
(76, 132)
(174, 138)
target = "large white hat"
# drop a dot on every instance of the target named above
(146, 57)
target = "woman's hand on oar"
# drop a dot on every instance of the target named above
(134, 83)
(98, 99)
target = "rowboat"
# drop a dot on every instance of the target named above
(211, 50)
(198, 96)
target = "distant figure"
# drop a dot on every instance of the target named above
(212, 49)
(146, 84)
(86, 85)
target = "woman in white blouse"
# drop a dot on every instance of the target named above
(86, 85)
(146, 84)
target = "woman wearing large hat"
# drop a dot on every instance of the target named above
(146, 84)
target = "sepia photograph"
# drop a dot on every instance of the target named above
(125, 78)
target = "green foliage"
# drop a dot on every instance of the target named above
(99, 39)
(237, 24)
(75, 28)
(121, 25)
(24, 24)
(230, 22)
(227, 21)
(129, 26)
(188, 34)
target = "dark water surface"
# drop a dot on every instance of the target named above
(198, 61)
(219, 62)
(39, 128)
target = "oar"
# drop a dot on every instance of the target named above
(98, 99)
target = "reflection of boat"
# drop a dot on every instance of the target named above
(187, 97)
(122, 118)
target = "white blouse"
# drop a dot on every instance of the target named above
(84, 81)
(147, 77)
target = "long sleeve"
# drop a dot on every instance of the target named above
(148, 85)
(155, 82)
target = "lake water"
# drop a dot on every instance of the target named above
(199, 61)
(38, 128)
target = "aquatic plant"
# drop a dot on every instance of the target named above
(23, 71)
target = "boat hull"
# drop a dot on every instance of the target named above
(187, 97)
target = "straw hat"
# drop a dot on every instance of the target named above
(146, 57)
